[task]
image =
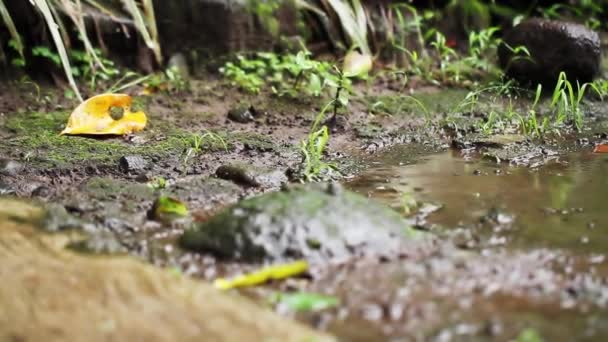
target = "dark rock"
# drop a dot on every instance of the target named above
(242, 114)
(57, 218)
(521, 154)
(10, 167)
(250, 175)
(554, 46)
(304, 221)
(41, 191)
(482, 141)
(133, 163)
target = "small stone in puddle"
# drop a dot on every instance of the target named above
(242, 114)
(132, 163)
(41, 191)
(6, 189)
(10, 167)
(304, 221)
(250, 175)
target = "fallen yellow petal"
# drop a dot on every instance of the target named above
(93, 116)
(276, 272)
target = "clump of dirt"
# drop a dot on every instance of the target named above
(75, 298)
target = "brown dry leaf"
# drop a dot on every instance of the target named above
(106, 114)
(602, 148)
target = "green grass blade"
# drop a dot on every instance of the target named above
(53, 28)
(140, 24)
(74, 10)
(8, 21)
(351, 19)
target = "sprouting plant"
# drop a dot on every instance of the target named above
(589, 10)
(240, 76)
(481, 45)
(490, 124)
(404, 26)
(158, 183)
(266, 14)
(170, 80)
(104, 69)
(601, 87)
(197, 142)
(287, 74)
(408, 202)
(44, 51)
(20, 60)
(567, 102)
(446, 56)
(141, 12)
(313, 148)
(82, 64)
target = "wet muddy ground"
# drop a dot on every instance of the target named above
(518, 224)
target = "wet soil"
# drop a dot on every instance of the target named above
(518, 222)
(50, 293)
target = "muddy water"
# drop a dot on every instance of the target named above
(538, 236)
(562, 204)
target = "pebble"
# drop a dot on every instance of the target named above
(5, 189)
(132, 163)
(242, 114)
(10, 167)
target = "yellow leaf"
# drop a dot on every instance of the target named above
(276, 272)
(95, 116)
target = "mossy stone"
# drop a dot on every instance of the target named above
(317, 222)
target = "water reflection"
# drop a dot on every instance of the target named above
(561, 204)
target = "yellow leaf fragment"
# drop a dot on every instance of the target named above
(275, 272)
(357, 64)
(106, 114)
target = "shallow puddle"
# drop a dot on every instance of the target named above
(539, 262)
(559, 205)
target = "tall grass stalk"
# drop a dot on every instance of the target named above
(354, 22)
(143, 26)
(8, 21)
(53, 28)
(75, 12)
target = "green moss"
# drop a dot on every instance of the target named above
(436, 102)
(255, 141)
(107, 188)
(37, 138)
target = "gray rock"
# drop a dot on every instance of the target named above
(316, 222)
(250, 175)
(133, 163)
(42, 191)
(6, 189)
(483, 141)
(57, 219)
(554, 46)
(178, 63)
(10, 167)
(242, 114)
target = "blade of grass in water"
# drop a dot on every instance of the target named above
(8, 21)
(53, 28)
